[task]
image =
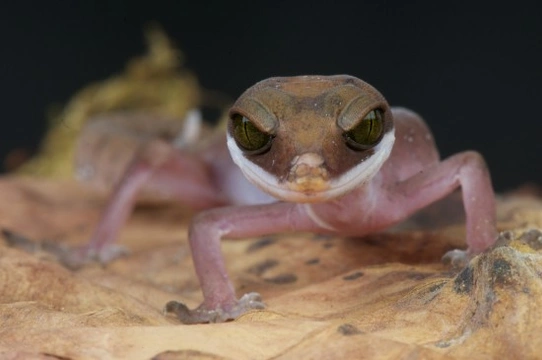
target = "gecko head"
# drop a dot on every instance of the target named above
(310, 138)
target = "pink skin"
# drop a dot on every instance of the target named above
(157, 166)
(412, 178)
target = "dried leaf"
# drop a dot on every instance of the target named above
(385, 296)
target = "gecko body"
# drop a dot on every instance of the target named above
(323, 154)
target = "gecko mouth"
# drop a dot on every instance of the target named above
(308, 181)
(308, 174)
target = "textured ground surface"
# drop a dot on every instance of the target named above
(385, 296)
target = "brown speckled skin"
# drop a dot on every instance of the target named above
(310, 114)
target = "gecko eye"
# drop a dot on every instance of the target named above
(249, 138)
(367, 133)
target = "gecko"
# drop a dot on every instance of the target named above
(321, 154)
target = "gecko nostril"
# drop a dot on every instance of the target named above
(307, 174)
(309, 159)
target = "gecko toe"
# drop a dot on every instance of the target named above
(111, 252)
(250, 299)
(76, 257)
(456, 258)
(203, 314)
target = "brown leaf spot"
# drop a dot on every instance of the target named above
(282, 279)
(353, 276)
(502, 271)
(464, 281)
(262, 267)
(260, 244)
(348, 330)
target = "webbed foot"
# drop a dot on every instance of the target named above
(203, 314)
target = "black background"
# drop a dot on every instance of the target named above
(474, 71)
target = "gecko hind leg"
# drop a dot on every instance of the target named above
(157, 165)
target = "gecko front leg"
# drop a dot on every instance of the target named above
(208, 228)
(467, 170)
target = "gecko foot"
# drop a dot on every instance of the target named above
(74, 258)
(203, 314)
(457, 258)
(69, 256)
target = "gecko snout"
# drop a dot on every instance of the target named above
(308, 174)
